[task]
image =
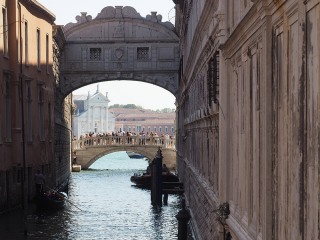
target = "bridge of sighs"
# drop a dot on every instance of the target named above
(118, 44)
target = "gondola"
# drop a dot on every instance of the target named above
(144, 180)
(51, 200)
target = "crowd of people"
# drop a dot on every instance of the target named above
(122, 137)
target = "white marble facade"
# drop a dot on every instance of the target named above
(92, 114)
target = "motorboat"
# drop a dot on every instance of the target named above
(144, 180)
(135, 155)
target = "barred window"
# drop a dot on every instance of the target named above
(95, 54)
(213, 79)
(142, 53)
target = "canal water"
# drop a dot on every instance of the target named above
(103, 204)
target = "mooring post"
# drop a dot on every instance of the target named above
(153, 181)
(165, 198)
(156, 176)
(183, 217)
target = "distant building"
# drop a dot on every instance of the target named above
(92, 114)
(141, 120)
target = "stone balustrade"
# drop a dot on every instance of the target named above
(123, 140)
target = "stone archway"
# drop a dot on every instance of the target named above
(119, 44)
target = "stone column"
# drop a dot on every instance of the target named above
(101, 120)
(92, 118)
(107, 119)
(88, 119)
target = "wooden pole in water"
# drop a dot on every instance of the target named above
(156, 179)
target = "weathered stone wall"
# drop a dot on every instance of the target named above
(267, 137)
(62, 153)
(63, 113)
(198, 116)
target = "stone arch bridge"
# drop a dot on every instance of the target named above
(119, 44)
(88, 150)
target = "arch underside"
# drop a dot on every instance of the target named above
(72, 81)
(119, 149)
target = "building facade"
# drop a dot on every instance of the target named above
(248, 149)
(92, 115)
(144, 121)
(27, 99)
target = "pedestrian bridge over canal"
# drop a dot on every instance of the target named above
(88, 150)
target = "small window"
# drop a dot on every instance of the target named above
(29, 111)
(26, 43)
(41, 112)
(8, 123)
(38, 49)
(95, 54)
(47, 53)
(5, 31)
(143, 53)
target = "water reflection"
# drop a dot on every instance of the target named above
(103, 204)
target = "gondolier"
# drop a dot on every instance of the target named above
(40, 181)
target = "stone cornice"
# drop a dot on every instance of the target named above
(245, 29)
(209, 9)
(39, 7)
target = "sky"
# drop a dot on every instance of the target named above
(119, 92)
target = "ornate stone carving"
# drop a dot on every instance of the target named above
(119, 53)
(118, 30)
(154, 17)
(118, 12)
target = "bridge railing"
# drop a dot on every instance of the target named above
(123, 140)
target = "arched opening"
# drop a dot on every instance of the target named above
(119, 160)
(124, 108)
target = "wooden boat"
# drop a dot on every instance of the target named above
(51, 200)
(144, 180)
